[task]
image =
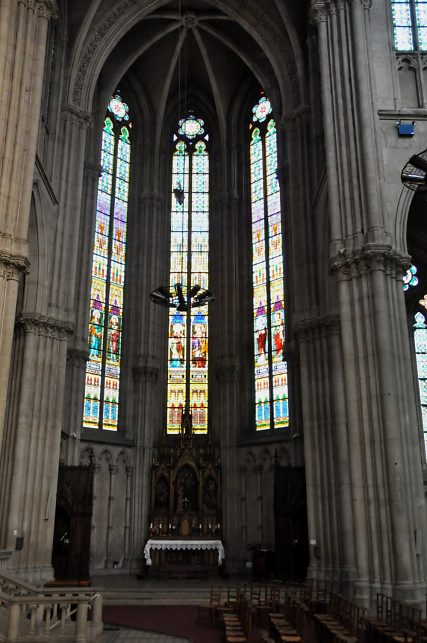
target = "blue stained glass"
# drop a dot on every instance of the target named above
(402, 25)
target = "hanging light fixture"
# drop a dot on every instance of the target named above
(177, 297)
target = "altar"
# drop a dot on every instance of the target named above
(184, 531)
(181, 545)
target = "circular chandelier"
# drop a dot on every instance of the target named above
(178, 297)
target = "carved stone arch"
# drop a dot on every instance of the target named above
(401, 219)
(266, 459)
(107, 456)
(35, 296)
(407, 71)
(123, 458)
(87, 456)
(250, 459)
(93, 50)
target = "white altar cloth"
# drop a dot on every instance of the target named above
(164, 543)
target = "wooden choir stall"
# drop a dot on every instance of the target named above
(184, 532)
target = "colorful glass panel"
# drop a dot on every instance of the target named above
(420, 341)
(188, 354)
(271, 389)
(191, 127)
(261, 110)
(177, 361)
(421, 19)
(409, 24)
(108, 276)
(410, 279)
(200, 276)
(402, 25)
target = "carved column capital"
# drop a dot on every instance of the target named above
(47, 9)
(367, 260)
(309, 329)
(77, 116)
(13, 267)
(113, 468)
(44, 326)
(129, 471)
(44, 8)
(319, 11)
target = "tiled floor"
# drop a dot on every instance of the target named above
(136, 636)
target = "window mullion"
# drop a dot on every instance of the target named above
(188, 314)
(414, 24)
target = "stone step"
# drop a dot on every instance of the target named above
(157, 596)
(137, 636)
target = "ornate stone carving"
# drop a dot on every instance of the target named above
(77, 116)
(45, 8)
(310, 329)
(367, 260)
(190, 20)
(44, 326)
(319, 10)
(12, 266)
(97, 37)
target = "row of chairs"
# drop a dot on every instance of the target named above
(394, 621)
(343, 622)
(238, 624)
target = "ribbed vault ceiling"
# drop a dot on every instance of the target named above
(193, 49)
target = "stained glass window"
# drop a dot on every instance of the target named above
(108, 273)
(188, 330)
(420, 340)
(271, 385)
(409, 24)
(410, 279)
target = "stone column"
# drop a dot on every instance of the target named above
(78, 352)
(110, 524)
(64, 269)
(243, 515)
(385, 466)
(146, 393)
(23, 32)
(330, 516)
(32, 442)
(226, 382)
(128, 500)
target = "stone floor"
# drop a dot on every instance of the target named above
(136, 636)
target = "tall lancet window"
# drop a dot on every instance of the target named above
(102, 388)
(420, 341)
(188, 326)
(409, 24)
(271, 386)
